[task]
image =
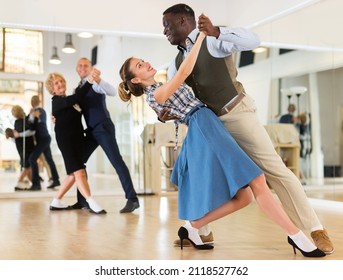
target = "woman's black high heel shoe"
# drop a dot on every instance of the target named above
(183, 234)
(313, 254)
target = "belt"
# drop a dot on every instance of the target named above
(192, 111)
(231, 105)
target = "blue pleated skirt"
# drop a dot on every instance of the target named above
(210, 168)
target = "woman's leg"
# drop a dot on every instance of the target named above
(29, 173)
(82, 183)
(21, 180)
(56, 203)
(243, 198)
(274, 211)
(65, 187)
(83, 187)
(190, 230)
(22, 175)
(269, 206)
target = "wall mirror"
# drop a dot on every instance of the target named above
(311, 80)
(14, 92)
(281, 67)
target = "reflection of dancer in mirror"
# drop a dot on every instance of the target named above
(38, 112)
(43, 164)
(289, 117)
(221, 188)
(38, 120)
(303, 127)
(23, 137)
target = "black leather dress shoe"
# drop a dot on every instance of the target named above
(79, 205)
(130, 206)
(20, 189)
(53, 185)
(53, 208)
(34, 188)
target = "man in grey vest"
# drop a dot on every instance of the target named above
(214, 82)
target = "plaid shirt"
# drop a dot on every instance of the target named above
(180, 103)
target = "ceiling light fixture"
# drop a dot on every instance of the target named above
(85, 34)
(259, 50)
(55, 58)
(68, 46)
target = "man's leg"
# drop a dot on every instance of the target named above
(46, 166)
(105, 135)
(49, 159)
(244, 126)
(36, 186)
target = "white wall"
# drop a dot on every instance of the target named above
(304, 23)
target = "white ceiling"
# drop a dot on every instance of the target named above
(309, 24)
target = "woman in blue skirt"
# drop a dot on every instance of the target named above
(214, 176)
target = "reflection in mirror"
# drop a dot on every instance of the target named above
(311, 82)
(15, 104)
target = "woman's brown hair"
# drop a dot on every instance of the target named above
(126, 88)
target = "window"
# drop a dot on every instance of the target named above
(1, 49)
(282, 51)
(94, 55)
(22, 51)
(247, 58)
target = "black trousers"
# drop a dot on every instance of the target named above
(103, 135)
(42, 146)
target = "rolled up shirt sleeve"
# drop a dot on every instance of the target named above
(232, 40)
(104, 88)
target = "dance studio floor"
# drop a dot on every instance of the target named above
(29, 230)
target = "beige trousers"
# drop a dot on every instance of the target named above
(243, 124)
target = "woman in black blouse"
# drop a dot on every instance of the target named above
(23, 135)
(69, 137)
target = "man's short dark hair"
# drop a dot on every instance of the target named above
(180, 9)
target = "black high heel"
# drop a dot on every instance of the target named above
(183, 234)
(313, 254)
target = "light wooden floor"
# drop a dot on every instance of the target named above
(29, 230)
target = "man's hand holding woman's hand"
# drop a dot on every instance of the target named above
(205, 25)
(94, 76)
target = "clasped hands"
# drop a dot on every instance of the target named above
(94, 76)
(205, 25)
